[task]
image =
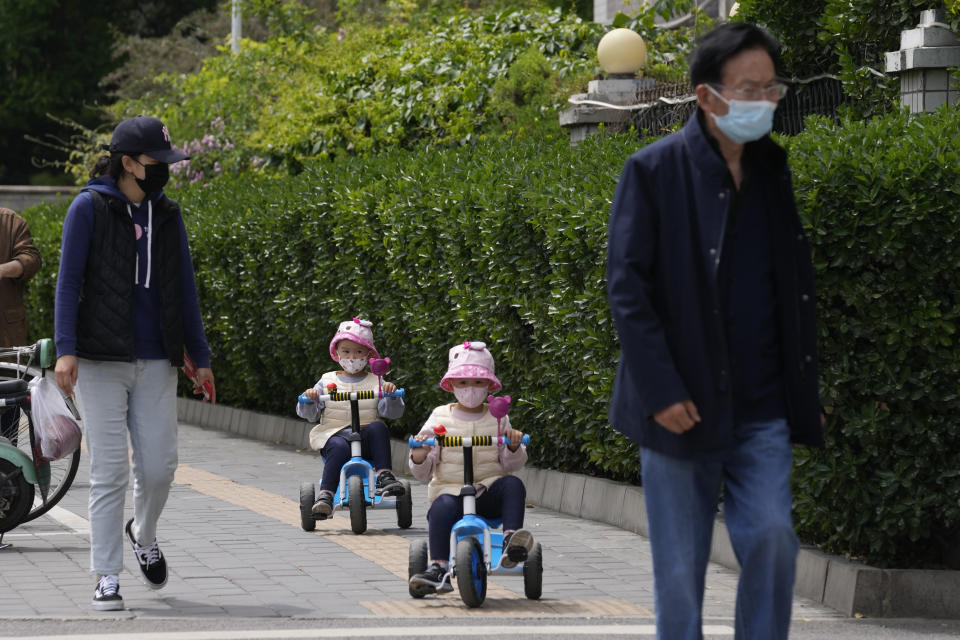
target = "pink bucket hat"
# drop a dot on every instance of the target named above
(470, 360)
(357, 330)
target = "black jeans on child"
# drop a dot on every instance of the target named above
(374, 447)
(505, 499)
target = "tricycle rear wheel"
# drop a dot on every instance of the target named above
(533, 573)
(416, 563)
(307, 498)
(405, 507)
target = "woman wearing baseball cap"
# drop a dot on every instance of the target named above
(126, 310)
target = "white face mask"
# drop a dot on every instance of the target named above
(470, 397)
(353, 365)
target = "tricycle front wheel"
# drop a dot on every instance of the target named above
(358, 505)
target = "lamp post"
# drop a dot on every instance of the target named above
(621, 53)
(235, 26)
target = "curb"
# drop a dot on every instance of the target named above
(849, 587)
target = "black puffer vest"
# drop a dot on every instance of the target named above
(105, 322)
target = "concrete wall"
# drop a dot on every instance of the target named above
(19, 198)
(605, 10)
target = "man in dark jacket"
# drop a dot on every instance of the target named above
(711, 288)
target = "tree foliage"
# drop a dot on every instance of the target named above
(844, 37)
(440, 76)
(53, 55)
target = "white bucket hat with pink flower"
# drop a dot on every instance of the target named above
(470, 360)
(357, 330)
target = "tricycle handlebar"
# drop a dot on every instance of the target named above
(370, 394)
(464, 441)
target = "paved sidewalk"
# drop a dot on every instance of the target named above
(232, 539)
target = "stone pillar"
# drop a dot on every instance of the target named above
(923, 63)
(585, 116)
(605, 10)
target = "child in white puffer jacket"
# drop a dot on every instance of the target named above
(470, 377)
(351, 347)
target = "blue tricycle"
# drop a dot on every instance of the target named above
(358, 481)
(475, 547)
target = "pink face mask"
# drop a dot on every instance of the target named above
(470, 397)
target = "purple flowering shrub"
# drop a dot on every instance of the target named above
(208, 156)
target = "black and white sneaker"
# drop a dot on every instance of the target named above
(107, 596)
(153, 567)
(516, 545)
(433, 580)
(387, 484)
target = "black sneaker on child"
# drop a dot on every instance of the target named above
(323, 507)
(107, 595)
(433, 580)
(388, 485)
(516, 545)
(153, 567)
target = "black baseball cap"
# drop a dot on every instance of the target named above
(143, 134)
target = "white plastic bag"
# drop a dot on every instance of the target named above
(56, 429)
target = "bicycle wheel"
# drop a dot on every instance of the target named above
(17, 428)
(16, 494)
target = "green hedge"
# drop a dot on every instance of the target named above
(881, 199)
(496, 242)
(505, 242)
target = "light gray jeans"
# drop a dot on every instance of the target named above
(115, 399)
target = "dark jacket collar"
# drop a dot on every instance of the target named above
(705, 152)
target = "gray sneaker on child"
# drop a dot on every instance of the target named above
(516, 545)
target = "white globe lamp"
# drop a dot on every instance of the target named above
(622, 52)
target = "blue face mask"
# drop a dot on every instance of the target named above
(747, 120)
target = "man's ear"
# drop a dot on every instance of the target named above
(704, 97)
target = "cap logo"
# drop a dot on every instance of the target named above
(166, 133)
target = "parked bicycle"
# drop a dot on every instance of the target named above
(30, 485)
